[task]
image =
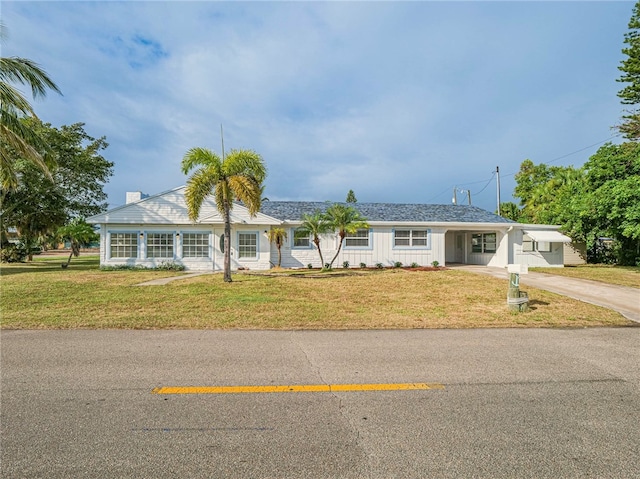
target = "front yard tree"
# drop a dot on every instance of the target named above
(16, 135)
(42, 203)
(344, 219)
(239, 176)
(79, 233)
(278, 236)
(315, 225)
(630, 67)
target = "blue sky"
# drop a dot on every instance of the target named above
(399, 101)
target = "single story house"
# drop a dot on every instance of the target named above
(151, 230)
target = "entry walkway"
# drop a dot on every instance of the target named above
(622, 299)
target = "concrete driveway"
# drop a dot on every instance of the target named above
(622, 299)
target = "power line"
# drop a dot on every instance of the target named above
(515, 172)
(574, 152)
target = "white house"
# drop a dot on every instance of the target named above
(151, 230)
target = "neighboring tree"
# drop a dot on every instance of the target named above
(344, 219)
(239, 176)
(351, 197)
(79, 233)
(41, 204)
(278, 236)
(630, 67)
(510, 211)
(602, 199)
(16, 135)
(610, 202)
(315, 225)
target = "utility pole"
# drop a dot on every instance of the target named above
(498, 187)
(455, 199)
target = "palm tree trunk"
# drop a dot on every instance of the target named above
(316, 240)
(342, 235)
(279, 255)
(227, 242)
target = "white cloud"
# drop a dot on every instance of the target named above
(399, 101)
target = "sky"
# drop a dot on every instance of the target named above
(402, 102)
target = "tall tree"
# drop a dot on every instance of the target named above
(15, 134)
(239, 176)
(40, 204)
(344, 219)
(351, 197)
(315, 225)
(630, 68)
(277, 236)
(611, 199)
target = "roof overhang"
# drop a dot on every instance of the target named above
(548, 236)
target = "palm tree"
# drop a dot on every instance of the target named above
(15, 135)
(315, 225)
(344, 219)
(277, 236)
(79, 233)
(238, 176)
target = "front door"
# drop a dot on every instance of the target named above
(460, 248)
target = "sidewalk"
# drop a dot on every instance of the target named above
(622, 299)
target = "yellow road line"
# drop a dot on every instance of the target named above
(309, 388)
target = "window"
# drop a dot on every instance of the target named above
(195, 245)
(159, 245)
(483, 243)
(247, 245)
(359, 239)
(411, 238)
(124, 245)
(529, 245)
(301, 239)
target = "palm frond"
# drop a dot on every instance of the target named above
(247, 190)
(27, 72)
(245, 162)
(12, 100)
(201, 157)
(199, 185)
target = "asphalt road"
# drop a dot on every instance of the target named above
(515, 404)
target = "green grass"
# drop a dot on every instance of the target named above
(620, 275)
(43, 295)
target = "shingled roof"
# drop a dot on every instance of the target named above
(391, 212)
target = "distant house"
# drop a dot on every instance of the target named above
(150, 230)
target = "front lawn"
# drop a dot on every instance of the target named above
(43, 295)
(620, 275)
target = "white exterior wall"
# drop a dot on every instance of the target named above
(380, 250)
(214, 262)
(536, 258)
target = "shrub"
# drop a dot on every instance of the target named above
(435, 264)
(310, 266)
(397, 264)
(13, 253)
(169, 266)
(379, 265)
(345, 264)
(415, 265)
(327, 267)
(363, 265)
(164, 266)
